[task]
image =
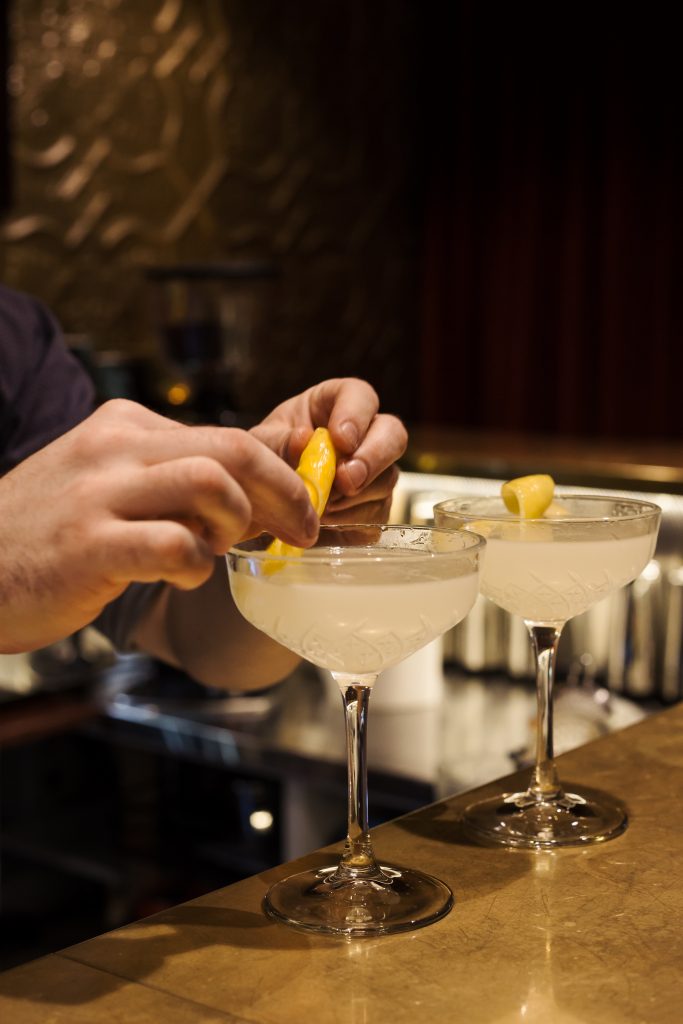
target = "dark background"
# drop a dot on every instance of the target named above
(554, 214)
(474, 205)
(4, 117)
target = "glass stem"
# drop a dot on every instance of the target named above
(545, 782)
(358, 859)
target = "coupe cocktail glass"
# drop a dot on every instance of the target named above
(547, 571)
(360, 601)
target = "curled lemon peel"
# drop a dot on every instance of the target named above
(317, 467)
(530, 497)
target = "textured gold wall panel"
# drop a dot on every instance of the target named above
(154, 131)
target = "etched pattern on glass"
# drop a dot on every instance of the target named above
(360, 644)
(553, 602)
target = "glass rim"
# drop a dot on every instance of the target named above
(645, 510)
(332, 552)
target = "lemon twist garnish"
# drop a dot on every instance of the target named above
(529, 496)
(317, 466)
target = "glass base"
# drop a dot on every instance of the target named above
(570, 819)
(396, 900)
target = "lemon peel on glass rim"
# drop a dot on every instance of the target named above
(317, 467)
(530, 497)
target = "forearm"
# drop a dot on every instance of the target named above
(202, 632)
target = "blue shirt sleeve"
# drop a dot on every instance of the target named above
(44, 391)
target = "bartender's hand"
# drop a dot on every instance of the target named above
(129, 495)
(368, 443)
(202, 630)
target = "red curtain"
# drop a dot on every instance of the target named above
(553, 256)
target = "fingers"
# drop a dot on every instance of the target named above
(379, 491)
(285, 440)
(347, 407)
(363, 512)
(145, 552)
(366, 442)
(239, 487)
(195, 491)
(251, 475)
(383, 444)
(207, 477)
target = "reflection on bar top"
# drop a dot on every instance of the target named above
(644, 465)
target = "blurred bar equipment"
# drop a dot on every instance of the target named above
(209, 318)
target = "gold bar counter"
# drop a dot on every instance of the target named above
(582, 936)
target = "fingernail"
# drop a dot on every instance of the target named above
(357, 472)
(349, 431)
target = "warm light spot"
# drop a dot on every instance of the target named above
(54, 69)
(79, 30)
(178, 394)
(427, 462)
(15, 80)
(106, 49)
(261, 820)
(651, 572)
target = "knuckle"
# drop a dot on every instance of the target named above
(203, 474)
(116, 409)
(97, 436)
(399, 431)
(360, 383)
(241, 513)
(240, 446)
(177, 548)
(216, 496)
(232, 447)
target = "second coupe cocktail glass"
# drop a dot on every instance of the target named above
(547, 571)
(359, 602)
